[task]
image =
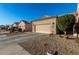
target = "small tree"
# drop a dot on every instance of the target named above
(65, 22)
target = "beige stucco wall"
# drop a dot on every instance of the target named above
(22, 24)
(77, 13)
(51, 22)
(47, 21)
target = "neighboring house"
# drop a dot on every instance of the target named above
(10, 26)
(15, 24)
(24, 25)
(77, 14)
(76, 25)
(2, 27)
(45, 25)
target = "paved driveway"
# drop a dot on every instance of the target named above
(9, 44)
(13, 49)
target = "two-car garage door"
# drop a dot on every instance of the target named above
(43, 28)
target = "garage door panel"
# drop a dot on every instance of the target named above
(43, 28)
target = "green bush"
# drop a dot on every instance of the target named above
(65, 22)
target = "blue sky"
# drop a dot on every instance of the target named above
(13, 12)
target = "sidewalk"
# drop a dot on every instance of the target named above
(13, 49)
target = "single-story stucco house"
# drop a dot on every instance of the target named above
(45, 25)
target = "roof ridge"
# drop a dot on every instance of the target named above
(45, 18)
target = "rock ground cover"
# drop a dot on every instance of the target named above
(40, 45)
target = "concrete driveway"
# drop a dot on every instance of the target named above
(13, 49)
(9, 44)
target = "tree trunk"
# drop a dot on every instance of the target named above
(65, 35)
(65, 32)
(77, 35)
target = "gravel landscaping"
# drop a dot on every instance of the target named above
(43, 44)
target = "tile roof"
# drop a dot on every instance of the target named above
(24, 21)
(45, 18)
